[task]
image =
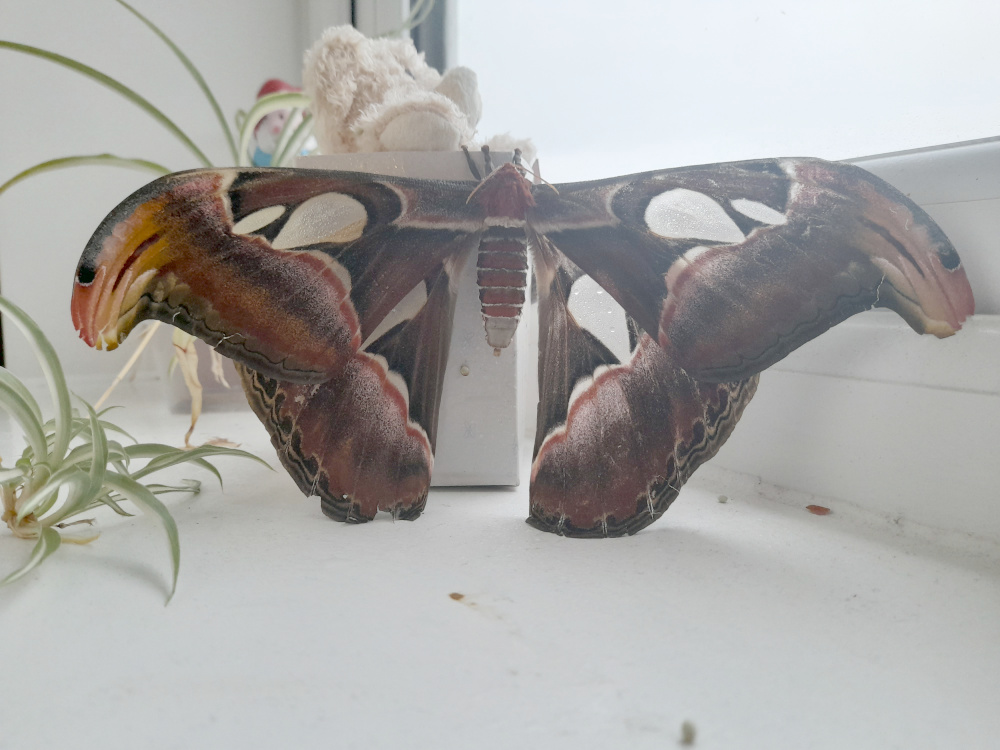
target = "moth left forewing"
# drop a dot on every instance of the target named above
(286, 271)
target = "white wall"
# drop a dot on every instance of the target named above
(49, 112)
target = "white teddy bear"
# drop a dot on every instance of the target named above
(380, 95)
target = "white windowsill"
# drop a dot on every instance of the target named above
(763, 624)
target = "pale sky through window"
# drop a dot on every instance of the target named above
(615, 87)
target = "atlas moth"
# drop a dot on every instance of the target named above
(294, 274)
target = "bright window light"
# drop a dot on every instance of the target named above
(620, 86)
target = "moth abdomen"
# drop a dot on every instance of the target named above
(503, 278)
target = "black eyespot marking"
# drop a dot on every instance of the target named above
(949, 258)
(85, 275)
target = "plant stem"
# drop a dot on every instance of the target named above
(82, 161)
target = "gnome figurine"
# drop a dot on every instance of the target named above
(268, 129)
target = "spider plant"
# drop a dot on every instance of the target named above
(70, 466)
(290, 143)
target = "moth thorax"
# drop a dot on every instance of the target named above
(503, 277)
(504, 196)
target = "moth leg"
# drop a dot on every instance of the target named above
(472, 165)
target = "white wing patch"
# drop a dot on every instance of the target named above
(330, 217)
(598, 312)
(759, 212)
(687, 214)
(258, 220)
